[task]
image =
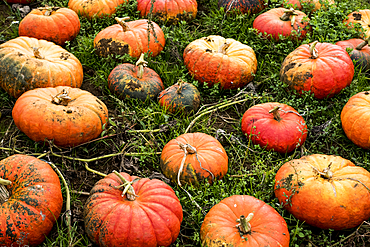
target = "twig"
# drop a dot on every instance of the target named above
(80, 192)
(94, 171)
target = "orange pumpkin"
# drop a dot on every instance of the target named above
(361, 17)
(95, 8)
(325, 191)
(244, 6)
(130, 38)
(69, 116)
(360, 52)
(51, 23)
(28, 63)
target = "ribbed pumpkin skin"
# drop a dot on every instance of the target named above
(268, 228)
(152, 220)
(234, 69)
(362, 17)
(245, 6)
(170, 11)
(270, 24)
(80, 121)
(337, 203)
(282, 135)
(95, 8)
(124, 82)
(210, 153)
(35, 201)
(356, 119)
(60, 26)
(360, 57)
(325, 76)
(186, 101)
(113, 40)
(21, 71)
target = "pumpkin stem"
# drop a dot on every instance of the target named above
(287, 14)
(36, 53)
(363, 44)
(4, 193)
(313, 50)
(180, 83)
(61, 98)
(325, 173)
(244, 226)
(141, 63)
(128, 190)
(275, 113)
(224, 47)
(122, 22)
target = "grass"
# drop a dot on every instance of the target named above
(137, 131)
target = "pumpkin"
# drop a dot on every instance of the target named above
(95, 8)
(147, 214)
(130, 38)
(214, 59)
(31, 200)
(316, 4)
(135, 81)
(169, 11)
(69, 116)
(244, 221)
(323, 69)
(356, 120)
(181, 97)
(193, 157)
(28, 63)
(276, 126)
(244, 6)
(281, 21)
(325, 191)
(360, 52)
(361, 17)
(50, 23)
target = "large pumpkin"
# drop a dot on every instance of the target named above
(95, 8)
(149, 214)
(325, 191)
(170, 11)
(28, 63)
(323, 69)
(244, 221)
(361, 17)
(31, 200)
(356, 119)
(214, 59)
(280, 21)
(192, 158)
(244, 6)
(276, 126)
(69, 116)
(50, 23)
(360, 52)
(130, 38)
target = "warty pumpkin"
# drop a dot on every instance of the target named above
(95, 8)
(214, 59)
(244, 6)
(28, 63)
(31, 200)
(68, 116)
(360, 52)
(325, 191)
(361, 17)
(130, 38)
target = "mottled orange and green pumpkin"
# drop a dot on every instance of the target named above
(359, 51)
(151, 219)
(222, 224)
(324, 191)
(130, 38)
(206, 159)
(244, 6)
(169, 11)
(28, 63)
(355, 119)
(68, 116)
(361, 17)
(95, 8)
(34, 202)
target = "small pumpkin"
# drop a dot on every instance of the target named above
(214, 59)
(28, 63)
(181, 97)
(244, 221)
(244, 6)
(135, 81)
(50, 23)
(130, 38)
(69, 116)
(280, 21)
(95, 8)
(276, 126)
(169, 11)
(297, 4)
(361, 17)
(356, 120)
(192, 158)
(360, 52)
(31, 200)
(147, 214)
(323, 69)
(325, 191)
